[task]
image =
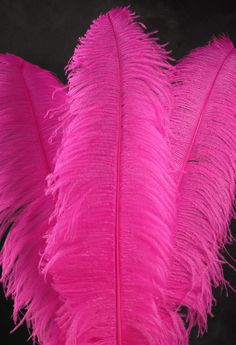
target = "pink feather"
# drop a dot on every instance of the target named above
(203, 146)
(27, 157)
(109, 250)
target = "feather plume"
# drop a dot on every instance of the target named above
(109, 250)
(203, 144)
(27, 157)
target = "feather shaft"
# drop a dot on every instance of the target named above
(32, 111)
(200, 117)
(117, 211)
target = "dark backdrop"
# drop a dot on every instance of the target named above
(45, 33)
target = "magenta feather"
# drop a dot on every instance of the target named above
(203, 146)
(27, 157)
(109, 250)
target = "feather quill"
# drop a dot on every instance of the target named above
(109, 250)
(203, 124)
(27, 157)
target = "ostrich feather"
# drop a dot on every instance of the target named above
(109, 250)
(27, 157)
(203, 144)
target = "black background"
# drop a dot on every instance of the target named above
(45, 33)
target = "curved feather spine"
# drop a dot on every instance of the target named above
(200, 118)
(32, 111)
(117, 220)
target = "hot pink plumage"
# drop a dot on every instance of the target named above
(109, 250)
(27, 157)
(203, 147)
